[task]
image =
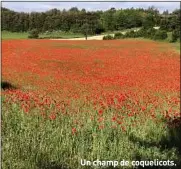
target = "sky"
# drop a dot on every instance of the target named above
(89, 6)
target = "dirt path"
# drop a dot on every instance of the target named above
(97, 37)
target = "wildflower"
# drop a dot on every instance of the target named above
(74, 130)
(100, 119)
(143, 108)
(100, 112)
(52, 116)
(114, 118)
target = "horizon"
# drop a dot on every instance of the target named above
(88, 6)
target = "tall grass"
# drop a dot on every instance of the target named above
(34, 142)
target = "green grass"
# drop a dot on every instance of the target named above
(24, 35)
(14, 35)
(176, 46)
(32, 142)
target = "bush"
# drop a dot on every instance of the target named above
(160, 35)
(150, 33)
(130, 34)
(34, 34)
(118, 35)
(175, 36)
(141, 33)
(108, 37)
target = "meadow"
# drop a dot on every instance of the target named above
(6, 35)
(63, 101)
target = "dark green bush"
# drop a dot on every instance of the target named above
(34, 34)
(108, 37)
(150, 33)
(99, 29)
(118, 35)
(130, 34)
(175, 36)
(160, 35)
(141, 33)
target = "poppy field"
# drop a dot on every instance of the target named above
(63, 101)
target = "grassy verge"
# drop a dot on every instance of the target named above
(14, 35)
(24, 35)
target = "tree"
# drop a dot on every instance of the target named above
(149, 21)
(175, 35)
(85, 29)
(109, 19)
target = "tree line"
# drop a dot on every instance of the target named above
(94, 22)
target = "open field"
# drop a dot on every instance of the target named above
(24, 35)
(14, 35)
(72, 36)
(175, 45)
(63, 101)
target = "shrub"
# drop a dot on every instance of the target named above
(175, 35)
(118, 35)
(150, 33)
(141, 33)
(34, 34)
(108, 37)
(130, 34)
(160, 35)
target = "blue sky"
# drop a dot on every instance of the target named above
(90, 6)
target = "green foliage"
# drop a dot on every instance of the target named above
(108, 37)
(118, 35)
(146, 33)
(150, 33)
(99, 29)
(33, 142)
(175, 36)
(160, 35)
(74, 19)
(164, 24)
(109, 19)
(34, 34)
(75, 28)
(170, 22)
(85, 30)
(130, 34)
(14, 35)
(148, 21)
(46, 35)
(141, 32)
